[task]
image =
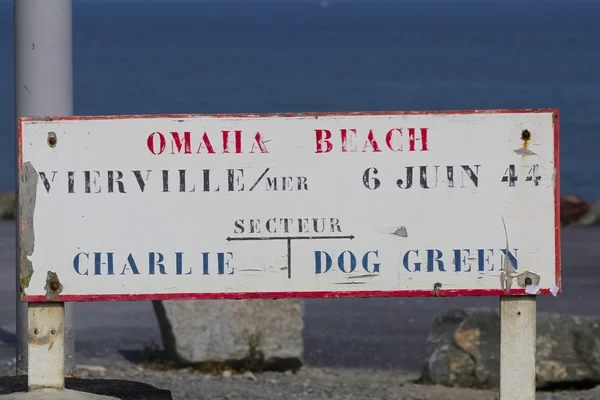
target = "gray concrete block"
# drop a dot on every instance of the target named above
(261, 333)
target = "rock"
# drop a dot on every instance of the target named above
(591, 216)
(464, 349)
(92, 368)
(124, 390)
(250, 376)
(8, 205)
(572, 208)
(254, 334)
(227, 374)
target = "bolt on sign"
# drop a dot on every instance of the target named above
(289, 205)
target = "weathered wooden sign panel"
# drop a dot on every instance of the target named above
(309, 205)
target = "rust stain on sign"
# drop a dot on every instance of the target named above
(528, 278)
(525, 137)
(51, 139)
(27, 196)
(53, 286)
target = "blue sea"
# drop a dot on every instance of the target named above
(231, 56)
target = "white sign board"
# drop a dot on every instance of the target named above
(307, 205)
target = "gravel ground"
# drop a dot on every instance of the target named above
(307, 383)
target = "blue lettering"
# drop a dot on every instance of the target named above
(130, 265)
(222, 263)
(318, 258)
(98, 263)
(511, 257)
(464, 260)
(346, 262)
(153, 263)
(483, 260)
(76, 263)
(460, 260)
(342, 264)
(365, 262)
(416, 264)
(159, 264)
(205, 263)
(179, 264)
(431, 260)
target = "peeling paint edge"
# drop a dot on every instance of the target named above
(523, 151)
(401, 231)
(53, 286)
(26, 197)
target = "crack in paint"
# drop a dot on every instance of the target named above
(508, 271)
(363, 276)
(524, 279)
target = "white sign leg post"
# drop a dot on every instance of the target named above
(43, 87)
(517, 347)
(46, 347)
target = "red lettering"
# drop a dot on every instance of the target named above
(412, 139)
(321, 140)
(237, 141)
(181, 142)
(258, 142)
(388, 139)
(206, 142)
(371, 140)
(176, 142)
(344, 133)
(151, 143)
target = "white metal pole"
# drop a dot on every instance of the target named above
(517, 347)
(43, 87)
